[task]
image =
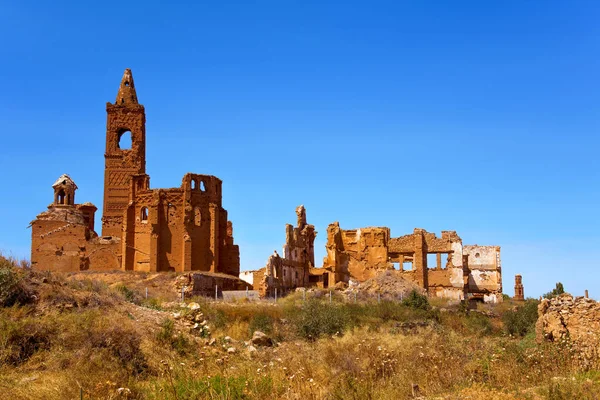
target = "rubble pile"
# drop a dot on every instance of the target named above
(388, 285)
(573, 321)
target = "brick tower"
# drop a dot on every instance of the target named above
(519, 291)
(124, 118)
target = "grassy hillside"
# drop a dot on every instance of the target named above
(63, 336)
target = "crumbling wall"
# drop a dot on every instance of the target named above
(292, 270)
(485, 272)
(61, 240)
(436, 264)
(571, 320)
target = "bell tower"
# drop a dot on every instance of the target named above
(125, 154)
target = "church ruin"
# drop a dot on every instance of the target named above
(143, 229)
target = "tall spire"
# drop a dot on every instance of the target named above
(127, 93)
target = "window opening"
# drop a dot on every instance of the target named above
(431, 260)
(202, 187)
(125, 140)
(407, 265)
(61, 197)
(144, 214)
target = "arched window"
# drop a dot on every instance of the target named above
(125, 140)
(197, 216)
(193, 184)
(202, 187)
(144, 214)
(61, 197)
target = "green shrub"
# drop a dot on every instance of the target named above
(520, 321)
(416, 300)
(479, 324)
(316, 318)
(128, 294)
(557, 291)
(261, 322)
(152, 303)
(166, 335)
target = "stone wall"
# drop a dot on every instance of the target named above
(573, 321)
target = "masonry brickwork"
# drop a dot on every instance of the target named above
(293, 269)
(143, 229)
(440, 265)
(519, 290)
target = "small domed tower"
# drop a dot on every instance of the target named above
(64, 191)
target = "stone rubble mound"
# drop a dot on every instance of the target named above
(571, 321)
(389, 285)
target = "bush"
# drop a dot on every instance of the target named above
(21, 339)
(479, 324)
(520, 321)
(128, 294)
(261, 322)
(13, 285)
(316, 318)
(557, 291)
(416, 300)
(166, 335)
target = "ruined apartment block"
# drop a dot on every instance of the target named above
(144, 229)
(442, 266)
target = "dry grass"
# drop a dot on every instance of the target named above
(91, 335)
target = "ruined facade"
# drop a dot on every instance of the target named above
(143, 229)
(442, 266)
(519, 290)
(293, 269)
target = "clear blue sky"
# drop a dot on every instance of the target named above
(475, 116)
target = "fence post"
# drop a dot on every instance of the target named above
(246, 291)
(146, 293)
(275, 295)
(378, 297)
(330, 297)
(183, 294)
(216, 292)
(355, 297)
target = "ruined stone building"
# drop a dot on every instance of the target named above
(442, 266)
(293, 269)
(143, 229)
